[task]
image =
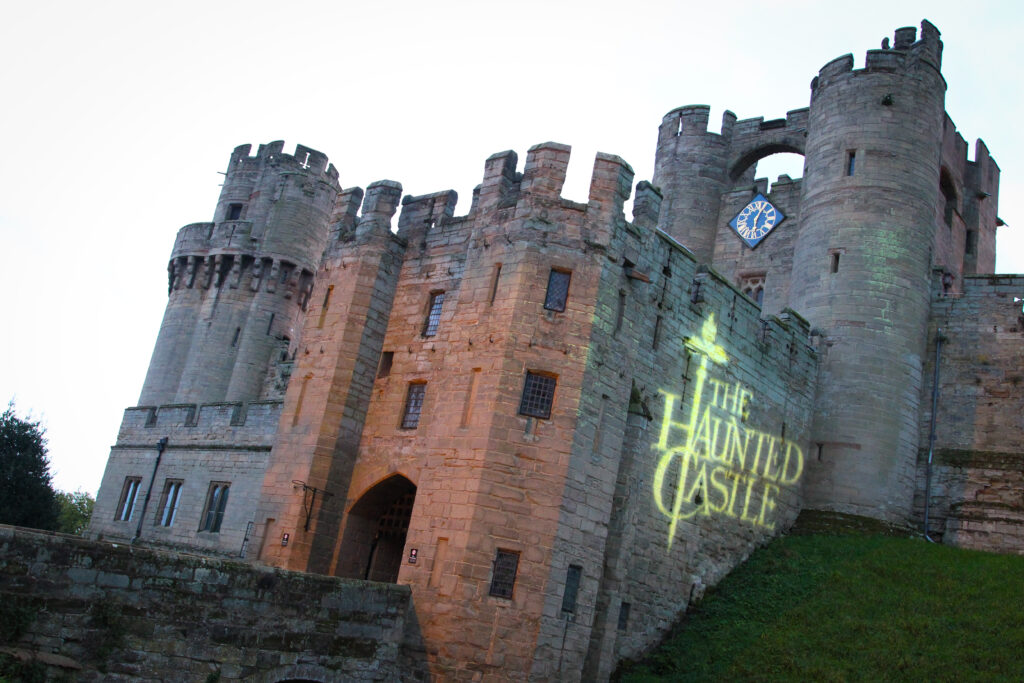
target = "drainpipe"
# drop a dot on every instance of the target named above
(160, 446)
(931, 435)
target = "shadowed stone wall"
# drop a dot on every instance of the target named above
(105, 612)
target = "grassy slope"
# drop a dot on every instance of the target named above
(837, 608)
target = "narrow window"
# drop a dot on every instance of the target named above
(234, 212)
(168, 509)
(234, 340)
(270, 323)
(327, 303)
(433, 314)
(834, 265)
(971, 244)
(851, 162)
(386, 359)
(467, 409)
(538, 395)
(216, 501)
(572, 588)
(494, 284)
(302, 397)
(624, 616)
(503, 573)
(413, 405)
(621, 312)
(948, 196)
(440, 555)
(657, 333)
(126, 505)
(558, 290)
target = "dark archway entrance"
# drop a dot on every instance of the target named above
(374, 536)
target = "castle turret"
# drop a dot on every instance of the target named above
(239, 285)
(861, 267)
(691, 169)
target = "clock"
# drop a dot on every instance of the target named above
(756, 220)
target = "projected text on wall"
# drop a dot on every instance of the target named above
(713, 463)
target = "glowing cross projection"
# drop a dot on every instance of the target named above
(720, 465)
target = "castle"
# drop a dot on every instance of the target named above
(558, 425)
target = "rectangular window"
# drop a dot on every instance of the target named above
(558, 290)
(503, 573)
(834, 263)
(572, 587)
(413, 405)
(168, 509)
(433, 314)
(851, 162)
(538, 395)
(234, 212)
(126, 505)
(216, 501)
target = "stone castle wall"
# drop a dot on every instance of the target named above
(105, 612)
(224, 442)
(977, 473)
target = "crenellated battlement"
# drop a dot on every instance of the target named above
(304, 160)
(905, 52)
(241, 424)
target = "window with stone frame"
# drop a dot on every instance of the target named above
(168, 509)
(129, 494)
(216, 503)
(753, 286)
(433, 320)
(503, 573)
(538, 395)
(558, 289)
(413, 405)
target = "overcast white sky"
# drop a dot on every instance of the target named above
(117, 117)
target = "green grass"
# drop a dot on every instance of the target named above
(852, 608)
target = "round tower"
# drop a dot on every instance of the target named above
(690, 169)
(861, 267)
(240, 284)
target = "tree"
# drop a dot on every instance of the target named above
(26, 492)
(75, 511)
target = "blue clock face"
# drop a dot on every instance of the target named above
(756, 220)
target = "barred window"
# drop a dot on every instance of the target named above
(538, 395)
(169, 503)
(558, 290)
(216, 501)
(434, 314)
(126, 505)
(413, 405)
(503, 573)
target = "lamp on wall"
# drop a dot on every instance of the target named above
(308, 501)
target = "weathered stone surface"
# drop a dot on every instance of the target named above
(104, 625)
(559, 425)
